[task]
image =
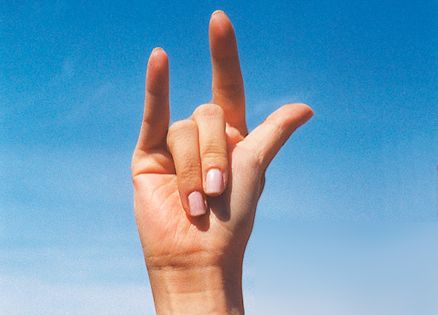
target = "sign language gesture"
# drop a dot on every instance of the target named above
(197, 182)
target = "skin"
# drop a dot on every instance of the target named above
(195, 262)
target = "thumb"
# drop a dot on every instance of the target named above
(267, 139)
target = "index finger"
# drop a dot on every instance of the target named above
(155, 122)
(227, 85)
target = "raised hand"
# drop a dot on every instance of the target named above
(197, 182)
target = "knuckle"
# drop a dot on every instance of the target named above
(229, 89)
(278, 128)
(254, 159)
(180, 125)
(189, 172)
(214, 159)
(180, 129)
(209, 110)
(212, 150)
(254, 163)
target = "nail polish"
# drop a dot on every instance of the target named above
(214, 181)
(197, 204)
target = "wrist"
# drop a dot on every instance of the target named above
(197, 289)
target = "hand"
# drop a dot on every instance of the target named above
(197, 183)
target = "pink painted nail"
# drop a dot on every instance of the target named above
(214, 182)
(196, 204)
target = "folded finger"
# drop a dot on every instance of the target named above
(212, 147)
(183, 144)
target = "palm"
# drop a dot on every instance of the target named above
(165, 228)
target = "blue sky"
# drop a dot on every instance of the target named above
(347, 223)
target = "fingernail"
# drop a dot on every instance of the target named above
(214, 182)
(217, 12)
(197, 204)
